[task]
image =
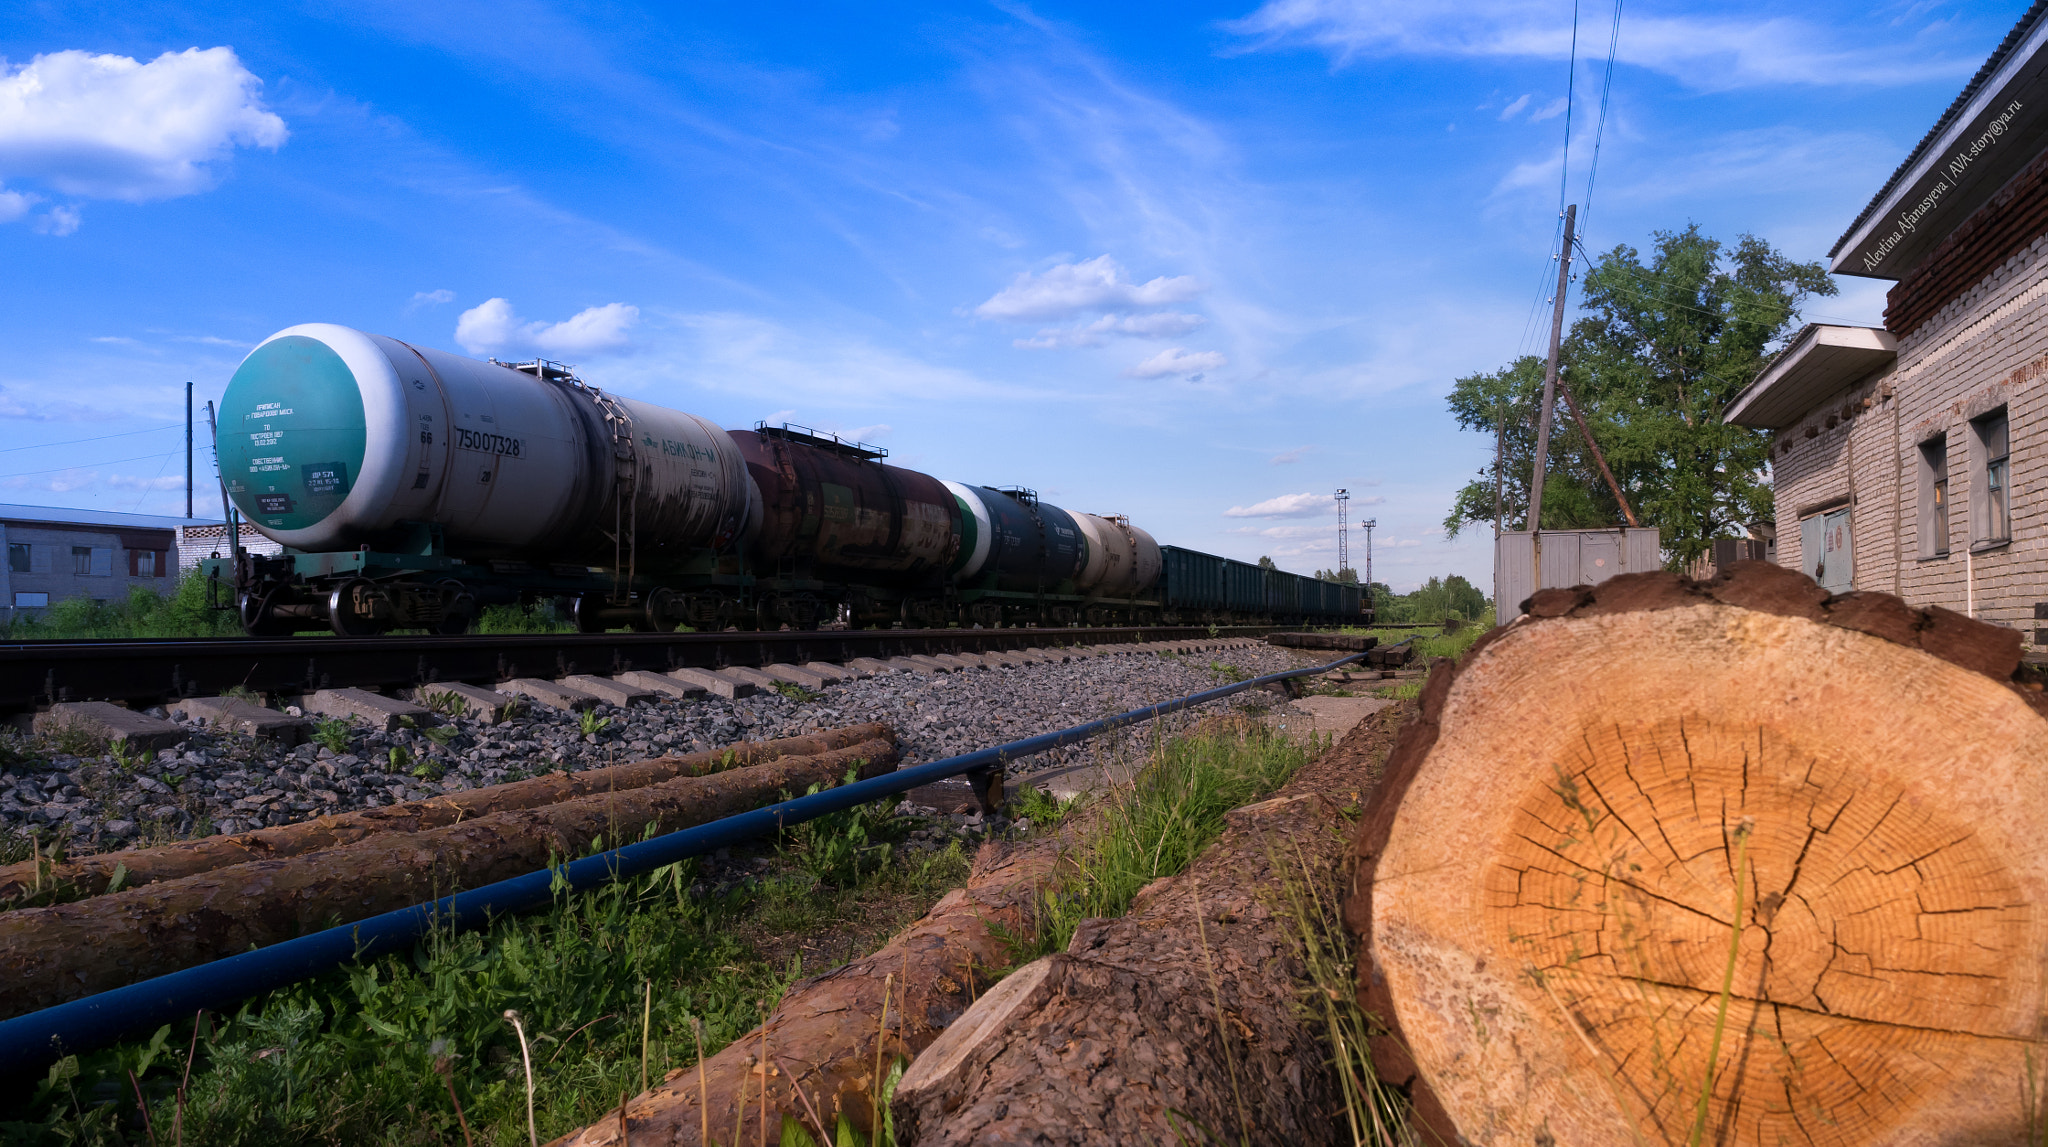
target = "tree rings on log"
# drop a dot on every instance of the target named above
(1608, 819)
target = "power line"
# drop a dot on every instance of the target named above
(1606, 84)
(1571, 83)
(86, 465)
(101, 438)
(146, 486)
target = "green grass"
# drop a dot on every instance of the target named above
(143, 613)
(1430, 640)
(351, 1057)
(540, 618)
(1309, 905)
(183, 612)
(1158, 824)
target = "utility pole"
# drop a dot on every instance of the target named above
(188, 449)
(227, 512)
(1343, 552)
(1500, 449)
(1369, 523)
(1564, 281)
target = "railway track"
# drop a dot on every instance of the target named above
(36, 674)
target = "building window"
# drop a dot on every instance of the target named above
(1934, 497)
(31, 600)
(1994, 525)
(17, 557)
(81, 560)
(144, 563)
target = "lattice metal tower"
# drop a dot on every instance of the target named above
(1343, 553)
(1369, 523)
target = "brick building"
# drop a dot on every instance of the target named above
(1913, 458)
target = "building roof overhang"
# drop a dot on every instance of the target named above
(1993, 129)
(1819, 361)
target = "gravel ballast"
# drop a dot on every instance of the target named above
(217, 781)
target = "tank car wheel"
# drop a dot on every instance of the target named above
(458, 609)
(585, 609)
(341, 612)
(658, 611)
(256, 617)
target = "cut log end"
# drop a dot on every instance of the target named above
(1625, 814)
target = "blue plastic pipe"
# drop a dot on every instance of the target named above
(33, 1041)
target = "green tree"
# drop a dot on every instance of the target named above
(1665, 344)
(1664, 348)
(1503, 405)
(1266, 563)
(1346, 576)
(1434, 600)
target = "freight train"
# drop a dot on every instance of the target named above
(411, 487)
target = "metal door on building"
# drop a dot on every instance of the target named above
(1825, 550)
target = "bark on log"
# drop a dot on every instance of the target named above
(1547, 880)
(88, 875)
(822, 1035)
(48, 955)
(1118, 1039)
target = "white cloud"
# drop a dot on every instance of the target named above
(109, 127)
(58, 221)
(1287, 457)
(762, 361)
(1551, 110)
(1703, 51)
(432, 298)
(15, 204)
(1174, 360)
(1281, 531)
(41, 408)
(165, 482)
(1510, 111)
(1159, 325)
(493, 326)
(1096, 284)
(1286, 506)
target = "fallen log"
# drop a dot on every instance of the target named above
(1177, 1023)
(1727, 862)
(822, 1036)
(89, 875)
(61, 952)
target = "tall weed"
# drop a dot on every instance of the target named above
(1158, 823)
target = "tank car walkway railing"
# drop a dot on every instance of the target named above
(31, 1042)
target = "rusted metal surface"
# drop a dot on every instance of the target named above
(836, 510)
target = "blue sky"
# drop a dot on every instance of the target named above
(1196, 263)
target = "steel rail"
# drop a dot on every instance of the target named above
(31, 1042)
(34, 674)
